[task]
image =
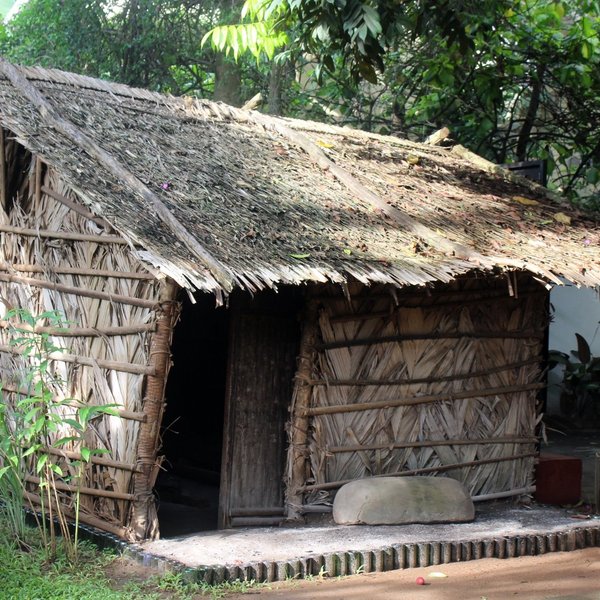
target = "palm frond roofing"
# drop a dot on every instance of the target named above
(283, 201)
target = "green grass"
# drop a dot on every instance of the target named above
(25, 575)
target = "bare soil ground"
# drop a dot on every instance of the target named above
(556, 576)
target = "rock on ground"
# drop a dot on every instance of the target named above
(402, 500)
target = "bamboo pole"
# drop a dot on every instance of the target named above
(455, 377)
(263, 511)
(120, 532)
(433, 305)
(78, 271)
(483, 335)
(96, 460)
(75, 207)
(64, 235)
(37, 192)
(429, 443)
(81, 331)
(112, 365)
(78, 291)
(507, 494)
(360, 406)
(65, 487)
(52, 119)
(332, 485)
(298, 448)
(124, 414)
(3, 173)
(144, 523)
(257, 521)
(429, 293)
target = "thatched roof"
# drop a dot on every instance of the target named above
(217, 197)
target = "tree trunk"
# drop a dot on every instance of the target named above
(276, 79)
(228, 81)
(534, 103)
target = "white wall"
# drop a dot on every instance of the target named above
(575, 311)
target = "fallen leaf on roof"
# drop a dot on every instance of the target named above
(324, 144)
(562, 218)
(525, 201)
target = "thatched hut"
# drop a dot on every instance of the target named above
(336, 304)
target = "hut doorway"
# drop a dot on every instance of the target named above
(228, 396)
(192, 437)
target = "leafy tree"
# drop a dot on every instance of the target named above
(513, 80)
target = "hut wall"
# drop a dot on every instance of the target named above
(109, 303)
(437, 383)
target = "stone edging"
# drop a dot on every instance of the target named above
(388, 558)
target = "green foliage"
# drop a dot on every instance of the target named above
(362, 32)
(146, 43)
(35, 424)
(513, 81)
(580, 395)
(26, 575)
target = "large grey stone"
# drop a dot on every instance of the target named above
(401, 500)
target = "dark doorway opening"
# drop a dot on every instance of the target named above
(192, 437)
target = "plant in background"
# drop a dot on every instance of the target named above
(580, 396)
(33, 429)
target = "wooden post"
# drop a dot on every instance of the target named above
(144, 520)
(300, 421)
(3, 173)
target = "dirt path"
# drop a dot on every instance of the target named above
(556, 576)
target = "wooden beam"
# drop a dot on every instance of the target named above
(96, 460)
(454, 377)
(298, 448)
(124, 414)
(80, 209)
(144, 522)
(82, 331)
(483, 335)
(77, 291)
(113, 365)
(98, 493)
(3, 173)
(417, 400)
(432, 443)
(101, 524)
(64, 235)
(332, 485)
(60, 270)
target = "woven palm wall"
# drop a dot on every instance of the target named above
(109, 303)
(438, 383)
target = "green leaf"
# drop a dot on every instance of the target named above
(42, 460)
(56, 469)
(73, 423)
(587, 27)
(86, 454)
(65, 440)
(586, 49)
